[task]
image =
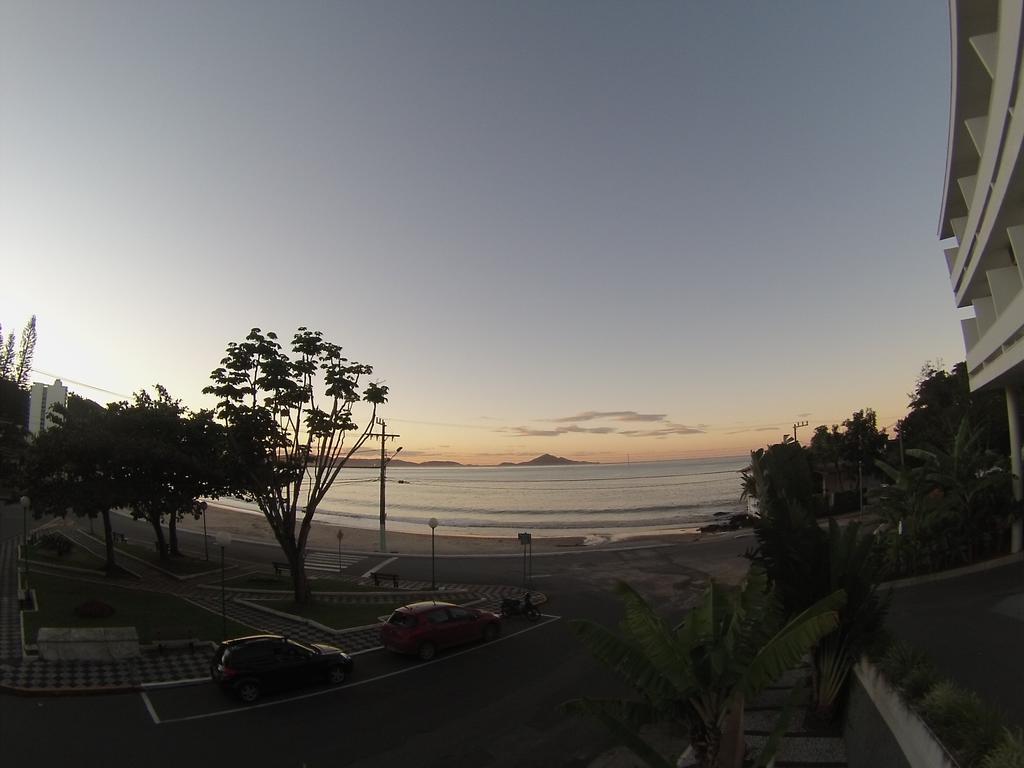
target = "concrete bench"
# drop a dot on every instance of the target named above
(88, 643)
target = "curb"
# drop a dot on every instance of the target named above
(174, 683)
(966, 570)
(90, 690)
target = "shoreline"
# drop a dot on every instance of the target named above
(324, 536)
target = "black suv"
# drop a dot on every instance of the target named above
(247, 666)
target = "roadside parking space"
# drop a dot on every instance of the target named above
(206, 700)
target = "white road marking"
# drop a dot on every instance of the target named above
(377, 567)
(149, 707)
(175, 683)
(339, 689)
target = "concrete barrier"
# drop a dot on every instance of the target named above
(882, 732)
(88, 644)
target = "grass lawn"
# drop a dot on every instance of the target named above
(270, 581)
(78, 557)
(334, 615)
(182, 566)
(156, 616)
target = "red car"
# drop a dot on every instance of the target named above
(424, 628)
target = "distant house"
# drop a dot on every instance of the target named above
(42, 399)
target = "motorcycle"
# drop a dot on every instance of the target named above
(511, 606)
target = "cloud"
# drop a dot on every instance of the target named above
(613, 415)
(744, 430)
(527, 432)
(667, 431)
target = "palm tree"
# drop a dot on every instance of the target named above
(698, 674)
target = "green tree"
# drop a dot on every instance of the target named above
(920, 528)
(177, 457)
(77, 466)
(940, 401)
(826, 450)
(699, 674)
(17, 367)
(974, 481)
(287, 420)
(863, 443)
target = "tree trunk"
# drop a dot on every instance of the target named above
(161, 545)
(172, 534)
(300, 584)
(108, 541)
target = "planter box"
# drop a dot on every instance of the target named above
(882, 732)
(88, 644)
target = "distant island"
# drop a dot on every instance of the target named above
(545, 460)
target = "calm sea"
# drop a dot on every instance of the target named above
(600, 501)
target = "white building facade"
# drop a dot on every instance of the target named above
(982, 219)
(42, 399)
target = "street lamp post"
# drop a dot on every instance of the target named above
(25, 504)
(223, 541)
(433, 580)
(526, 539)
(340, 535)
(206, 540)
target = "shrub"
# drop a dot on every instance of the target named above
(94, 609)
(1009, 753)
(967, 727)
(55, 542)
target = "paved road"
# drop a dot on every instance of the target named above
(973, 628)
(493, 705)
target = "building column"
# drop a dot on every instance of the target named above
(1013, 418)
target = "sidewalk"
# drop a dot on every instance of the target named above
(22, 672)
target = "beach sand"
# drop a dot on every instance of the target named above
(324, 536)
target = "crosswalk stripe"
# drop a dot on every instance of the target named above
(329, 561)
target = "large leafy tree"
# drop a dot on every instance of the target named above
(78, 465)
(177, 458)
(863, 443)
(288, 417)
(826, 450)
(942, 399)
(699, 674)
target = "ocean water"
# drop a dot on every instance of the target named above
(599, 502)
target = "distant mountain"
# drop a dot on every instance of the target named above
(374, 463)
(545, 460)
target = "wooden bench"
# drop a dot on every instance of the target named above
(279, 567)
(393, 577)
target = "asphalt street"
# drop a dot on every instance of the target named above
(491, 704)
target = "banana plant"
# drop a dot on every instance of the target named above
(699, 674)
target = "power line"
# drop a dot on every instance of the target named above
(79, 383)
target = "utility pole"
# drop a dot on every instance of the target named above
(795, 425)
(384, 437)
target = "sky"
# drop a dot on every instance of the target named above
(595, 229)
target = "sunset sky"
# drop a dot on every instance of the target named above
(594, 229)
